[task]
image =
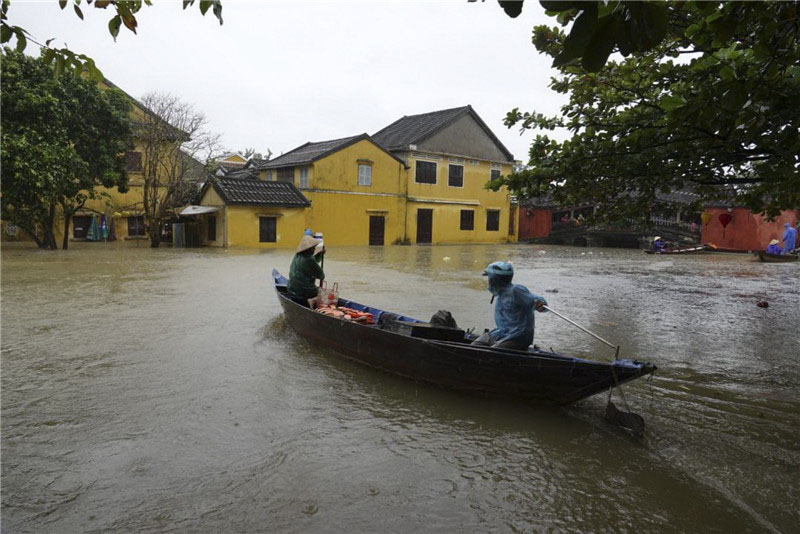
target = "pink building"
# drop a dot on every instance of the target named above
(745, 230)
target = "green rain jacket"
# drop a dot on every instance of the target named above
(303, 273)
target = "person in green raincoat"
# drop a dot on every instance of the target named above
(306, 270)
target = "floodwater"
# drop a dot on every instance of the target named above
(161, 390)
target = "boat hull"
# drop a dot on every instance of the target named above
(534, 375)
(775, 258)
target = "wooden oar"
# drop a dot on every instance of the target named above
(628, 420)
(573, 323)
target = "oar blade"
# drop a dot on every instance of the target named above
(632, 422)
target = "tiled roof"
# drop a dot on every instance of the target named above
(256, 163)
(413, 129)
(242, 174)
(244, 192)
(311, 152)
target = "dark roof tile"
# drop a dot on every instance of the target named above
(413, 129)
(310, 152)
(244, 192)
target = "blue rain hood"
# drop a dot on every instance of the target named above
(499, 273)
(789, 238)
(514, 307)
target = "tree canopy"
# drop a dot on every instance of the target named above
(711, 108)
(61, 137)
(64, 59)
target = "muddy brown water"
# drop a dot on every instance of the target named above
(161, 390)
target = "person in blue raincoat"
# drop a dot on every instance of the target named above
(789, 238)
(513, 312)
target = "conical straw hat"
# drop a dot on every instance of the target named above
(307, 242)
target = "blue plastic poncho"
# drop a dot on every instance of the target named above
(789, 238)
(513, 312)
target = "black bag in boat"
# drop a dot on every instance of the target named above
(393, 323)
(444, 318)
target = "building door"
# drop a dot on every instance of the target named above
(376, 229)
(424, 225)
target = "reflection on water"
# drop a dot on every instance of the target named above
(162, 390)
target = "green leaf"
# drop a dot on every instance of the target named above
(101, 4)
(5, 33)
(77, 67)
(48, 54)
(512, 7)
(78, 11)
(204, 5)
(600, 47)
(22, 41)
(692, 30)
(727, 73)
(670, 102)
(129, 21)
(62, 3)
(559, 6)
(218, 10)
(114, 25)
(654, 16)
(582, 32)
(59, 68)
(187, 3)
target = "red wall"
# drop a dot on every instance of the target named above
(747, 230)
(534, 222)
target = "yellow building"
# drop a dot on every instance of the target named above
(246, 212)
(124, 212)
(419, 180)
(356, 189)
(451, 155)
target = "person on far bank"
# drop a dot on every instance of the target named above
(306, 270)
(774, 248)
(659, 244)
(513, 312)
(789, 238)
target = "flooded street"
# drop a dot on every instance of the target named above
(162, 390)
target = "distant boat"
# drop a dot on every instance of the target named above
(698, 249)
(774, 258)
(442, 355)
(705, 248)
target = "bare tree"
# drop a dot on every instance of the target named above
(176, 145)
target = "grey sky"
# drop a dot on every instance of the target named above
(278, 74)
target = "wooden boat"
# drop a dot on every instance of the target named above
(440, 355)
(774, 258)
(699, 249)
(705, 248)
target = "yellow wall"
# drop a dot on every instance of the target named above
(238, 226)
(447, 216)
(339, 171)
(344, 219)
(243, 224)
(341, 209)
(234, 158)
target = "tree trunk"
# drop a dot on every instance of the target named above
(67, 219)
(32, 233)
(48, 236)
(154, 231)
